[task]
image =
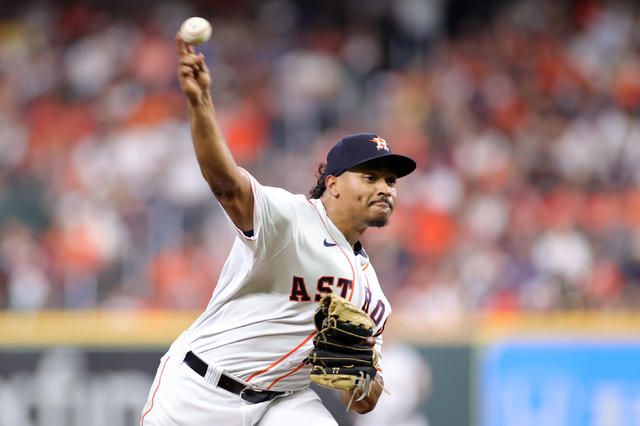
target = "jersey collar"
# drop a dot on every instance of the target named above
(357, 248)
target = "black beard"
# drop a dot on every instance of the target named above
(378, 222)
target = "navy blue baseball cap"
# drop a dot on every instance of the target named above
(354, 150)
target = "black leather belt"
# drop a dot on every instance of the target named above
(230, 384)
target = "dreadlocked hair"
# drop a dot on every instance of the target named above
(317, 191)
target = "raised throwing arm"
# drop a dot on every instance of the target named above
(227, 181)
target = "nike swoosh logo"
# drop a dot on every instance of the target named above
(326, 244)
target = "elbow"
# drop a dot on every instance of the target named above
(224, 187)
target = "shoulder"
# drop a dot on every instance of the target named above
(274, 191)
(288, 199)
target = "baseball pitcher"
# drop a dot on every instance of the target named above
(297, 300)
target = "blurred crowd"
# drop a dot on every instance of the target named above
(525, 127)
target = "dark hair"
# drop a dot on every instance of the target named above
(318, 190)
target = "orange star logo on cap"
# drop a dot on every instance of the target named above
(381, 143)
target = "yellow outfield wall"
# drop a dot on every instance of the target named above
(93, 328)
(154, 328)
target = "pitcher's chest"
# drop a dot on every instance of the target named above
(322, 266)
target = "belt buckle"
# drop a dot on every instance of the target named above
(262, 394)
(248, 398)
(243, 390)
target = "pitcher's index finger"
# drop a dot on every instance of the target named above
(183, 46)
(200, 62)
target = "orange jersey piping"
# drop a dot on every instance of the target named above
(288, 374)
(283, 358)
(338, 245)
(154, 392)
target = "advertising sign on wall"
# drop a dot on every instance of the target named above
(560, 384)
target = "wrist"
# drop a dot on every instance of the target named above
(202, 101)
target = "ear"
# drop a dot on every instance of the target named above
(333, 187)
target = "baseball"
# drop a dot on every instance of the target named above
(195, 30)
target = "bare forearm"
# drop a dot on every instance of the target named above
(229, 184)
(215, 159)
(368, 403)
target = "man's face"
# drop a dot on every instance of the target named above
(369, 193)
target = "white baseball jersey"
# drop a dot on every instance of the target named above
(258, 325)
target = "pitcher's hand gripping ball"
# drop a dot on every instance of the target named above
(195, 30)
(341, 359)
